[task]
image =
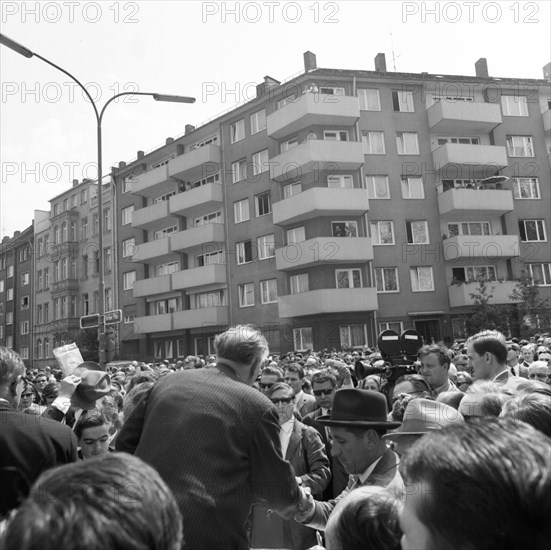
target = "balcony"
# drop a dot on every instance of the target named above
(313, 109)
(154, 183)
(153, 286)
(67, 285)
(153, 323)
(488, 247)
(199, 318)
(320, 201)
(460, 295)
(207, 275)
(208, 197)
(197, 236)
(324, 250)
(463, 118)
(547, 120)
(328, 300)
(317, 155)
(474, 204)
(154, 250)
(197, 164)
(466, 161)
(152, 217)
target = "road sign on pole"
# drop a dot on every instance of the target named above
(113, 317)
(89, 321)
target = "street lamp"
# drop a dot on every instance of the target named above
(22, 50)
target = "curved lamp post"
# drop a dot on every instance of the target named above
(22, 50)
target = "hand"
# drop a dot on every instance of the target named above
(68, 386)
(306, 505)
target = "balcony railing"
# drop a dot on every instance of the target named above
(463, 117)
(500, 292)
(490, 247)
(474, 204)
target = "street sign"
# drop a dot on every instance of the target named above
(113, 317)
(89, 321)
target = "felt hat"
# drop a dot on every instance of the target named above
(95, 383)
(358, 409)
(424, 415)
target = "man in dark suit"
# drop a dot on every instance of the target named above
(215, 441)
(294, 376)
(358, 420)
(29, 444)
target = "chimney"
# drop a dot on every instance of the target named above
(380, 63)
(310, 61)
(140, 155)
(75, 183)
(189, 128)
(265, 87)
(481, 68)
(169, 140)
(16, 234)
(547, 71)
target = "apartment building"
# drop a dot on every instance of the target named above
(336, 205)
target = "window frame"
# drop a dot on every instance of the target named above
(383, 289)
(376, 241)
(350, 271)
(363, 100)
(265, 291)
(405, 184)
(368, 144)
(372, 187)
(400, 143)
(241, 211)
(254, 121)
(410, 232)
(245, 293)
(236, 129)
(416, 269)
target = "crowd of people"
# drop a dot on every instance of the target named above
(245, 449)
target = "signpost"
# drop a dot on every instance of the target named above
(89, 321)
(113, 317)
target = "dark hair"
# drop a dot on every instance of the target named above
(11, 366)
(451, 398)
(90, 421)
(117, 501)
(280, 386)
(273, 371)
(50, 390)
(324, 376)
(367, 520)
(140, 378)
(241, 343)
(295, 367)
(442, 352)
(416, 380)
(490, 341)
(131, 399)
(465, 477)
(532, 408)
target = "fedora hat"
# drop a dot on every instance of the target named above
(357, 409)
(95, 383)
(424, 415)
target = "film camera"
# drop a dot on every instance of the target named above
(398, 352)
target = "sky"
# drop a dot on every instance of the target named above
(216, 52)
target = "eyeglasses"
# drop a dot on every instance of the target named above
(278, 400)
(323, 392)
(266, 386)
(287, 379)
(26, 395)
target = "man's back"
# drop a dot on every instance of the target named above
(212, 439)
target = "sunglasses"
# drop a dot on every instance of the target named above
(287, 379)
(322, 392)
(265, 386)
(285, 400)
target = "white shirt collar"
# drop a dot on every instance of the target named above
(299, 396)
(362, 477)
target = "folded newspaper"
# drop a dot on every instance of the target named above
(68, 357)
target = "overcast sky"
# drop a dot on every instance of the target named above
(208, 51)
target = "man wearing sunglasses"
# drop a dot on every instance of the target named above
(269, 377)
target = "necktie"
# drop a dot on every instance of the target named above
(513, 371)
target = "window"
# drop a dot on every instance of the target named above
(24, 327)
(540, 274)
(260, 162)
(292, 189)
(95, 223)
(514, 105)
(373, 143)
(239, 170)
(331, 90)
(352, 336)
(299, 283)
(39, 348)
(25, 278)
(520, 146)
(166, 269)
(421, 279)
(241, 211)
(46, 313)
(9, 294)
(128, 247)
(335, 135)
(532, 230)
(128, 318)
(73, 232)
(469, 228)
(369, 100)
(39, 318)
(107, 259)
(471, 274)
(268, 291)
(237, 131)
(46, 348)
(65, 205)
(163, 198)
(460, 140)
(244, 252)
(406, 143)
(9, 317)
(25, 302)
(263, 204)
(24, 352)
(344, 229)
(302, 338)
(382, 232)
(289, 144)
(85, 304)
(402, 101)
(246, 295)
(84, 228)
(396, 326)
(84, 196)
(526, 188)
(64, 232)
(106, 220)
(348, 278)
(266, 247)
(212, 217)
(56, 234)
(412, 187)
(417, 232)
(377, 187)
(258, 121)
(2, 284)
(126, 215)
(209, 258)
(296, 235)
(340, 182)
(56, 209)
(162, 233)
(386, 279)
(46, 278)
(210, 299)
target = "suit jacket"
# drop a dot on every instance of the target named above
(306, 404)
(306, 453)
(385, 474)
(31, 444)
(339, 476)
(215, 442)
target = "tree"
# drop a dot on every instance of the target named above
(532, 308)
